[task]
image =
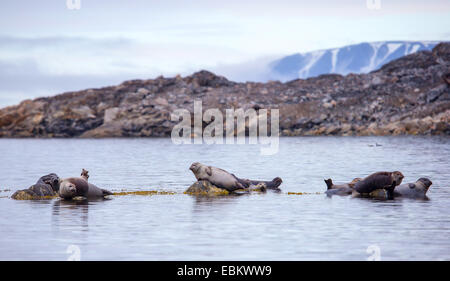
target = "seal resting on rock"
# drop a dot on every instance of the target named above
(94, 191)
(418, 189)
(80, 187)
(47, 186)
(340, 189)
(380, 180)
(223, 179)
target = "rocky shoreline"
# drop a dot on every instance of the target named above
(410, 95)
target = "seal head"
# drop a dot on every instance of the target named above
(73, 187)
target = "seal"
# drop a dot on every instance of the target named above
(418, 189)
(94, 191)
(228, 181)
(73, 187)
(340, 189)
(46, 186)
(273, 184)
(351, 184)
(379, 180)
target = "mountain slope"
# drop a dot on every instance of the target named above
(360, 58)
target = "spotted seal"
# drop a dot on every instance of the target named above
(418, 189)
(228, 181)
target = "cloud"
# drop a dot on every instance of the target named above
(40, 66)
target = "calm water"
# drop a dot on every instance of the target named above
(258, 227)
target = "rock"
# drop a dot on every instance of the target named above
(435, 93)
(43, 189)
(376, 81)
(205, 188)
(161, 101)
(143, 91)
(110, 114)
(84, 112)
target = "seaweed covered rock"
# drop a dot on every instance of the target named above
(45, 188)
(205, 188)
(35, 192)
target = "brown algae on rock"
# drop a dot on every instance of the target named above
(28, 195)
(205, 188)
(303, 193)
(144, 192)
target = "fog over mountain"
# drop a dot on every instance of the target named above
(358, 58)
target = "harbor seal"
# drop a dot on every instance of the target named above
(94, 191)
(73, 187)
(340, 189)
(273, 184)
(418, 189)
(351, 184)
(46, 186)
(380, 180)
(228, 181)
(80, 187)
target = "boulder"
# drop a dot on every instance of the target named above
(205, 188)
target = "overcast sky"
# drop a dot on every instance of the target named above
(46, 48)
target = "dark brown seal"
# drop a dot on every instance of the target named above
(46, 186)
(379, 180)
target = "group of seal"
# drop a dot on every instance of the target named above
(46, 186)
(68, 188)
(225, 180)
(380, 184)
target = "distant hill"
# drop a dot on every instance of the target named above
(409, 95)
(359, 58)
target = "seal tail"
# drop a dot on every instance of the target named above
(106, 192)
(329, 183)
(275, 183)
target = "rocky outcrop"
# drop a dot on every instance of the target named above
(45, 188)
(410, 95)
(205, 188)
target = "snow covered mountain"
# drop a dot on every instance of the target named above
(359, 58)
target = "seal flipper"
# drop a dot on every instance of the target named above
(274, 184)
(85, 174)
(390, 190)
(106, 192)
(329, 183)
(242, 183)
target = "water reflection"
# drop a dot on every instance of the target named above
(75, 212)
